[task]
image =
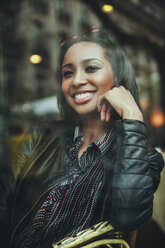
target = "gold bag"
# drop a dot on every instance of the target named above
(100, 234)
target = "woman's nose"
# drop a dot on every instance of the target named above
(79, 78)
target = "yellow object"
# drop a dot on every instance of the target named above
(35, 59)
(107, 242)
(93, 237)
(107, 8)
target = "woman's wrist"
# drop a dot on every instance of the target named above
(133, 114)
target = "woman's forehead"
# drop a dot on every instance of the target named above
(84, 50)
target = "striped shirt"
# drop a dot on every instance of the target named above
(69, 206)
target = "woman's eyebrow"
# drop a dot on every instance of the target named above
(90, 59)
(83, 62)
(67, 65)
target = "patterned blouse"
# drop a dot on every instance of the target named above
(69, 206)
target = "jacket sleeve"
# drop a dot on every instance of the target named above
(136, 176)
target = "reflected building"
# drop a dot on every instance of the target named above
(37, 26)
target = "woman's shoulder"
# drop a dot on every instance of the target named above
(47, 127)
(52, 129)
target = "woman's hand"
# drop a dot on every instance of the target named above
(122, 101)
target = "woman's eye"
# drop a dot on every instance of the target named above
(67, 73)
(92, 68)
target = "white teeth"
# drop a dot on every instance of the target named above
(83, 95)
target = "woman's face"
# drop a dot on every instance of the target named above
(86, 74)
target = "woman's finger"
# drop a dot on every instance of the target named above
(108, 114)
(103, 111)
(104, 108)
(99, 104)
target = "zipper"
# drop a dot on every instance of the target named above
(28, 213)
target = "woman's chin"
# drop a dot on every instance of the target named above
(88, 112)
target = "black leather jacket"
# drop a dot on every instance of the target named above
(126, 198)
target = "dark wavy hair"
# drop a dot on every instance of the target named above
(122, 68)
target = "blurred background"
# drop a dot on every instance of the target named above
(30, 31)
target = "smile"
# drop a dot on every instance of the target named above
(84, 97)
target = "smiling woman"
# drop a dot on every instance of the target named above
(96, 164)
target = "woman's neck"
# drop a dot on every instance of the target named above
(93, 128)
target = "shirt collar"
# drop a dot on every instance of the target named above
(102, 144)
(78, 134)
(105, 141)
